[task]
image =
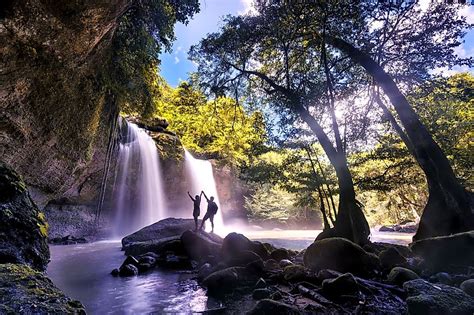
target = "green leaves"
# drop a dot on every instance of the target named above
(218, 128)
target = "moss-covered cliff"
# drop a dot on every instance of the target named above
(54, 112)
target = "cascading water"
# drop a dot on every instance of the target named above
(202, 178)
(138, 194)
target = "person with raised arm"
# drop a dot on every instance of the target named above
(196, 208)
(211, 211)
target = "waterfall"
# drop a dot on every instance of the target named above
(202, 178)
(138, 197)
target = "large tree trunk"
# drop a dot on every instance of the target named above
(350, 220)
(450, 207)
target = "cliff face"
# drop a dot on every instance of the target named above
(54, 113)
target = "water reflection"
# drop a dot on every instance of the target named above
(82, 272)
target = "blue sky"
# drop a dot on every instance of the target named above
(175, 66)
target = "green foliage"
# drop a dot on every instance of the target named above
(445, 107)
(144, 29)
(218, 128)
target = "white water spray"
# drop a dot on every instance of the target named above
(138, 196)
(202, 178)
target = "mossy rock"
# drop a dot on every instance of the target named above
(27, 291)
(23, 232)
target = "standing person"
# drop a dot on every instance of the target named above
(196, 208)
(211, 211)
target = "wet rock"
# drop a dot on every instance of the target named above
(226, 280)
(199, 245)
(444, 252)
(142, 267)
(294, 273)
(426, 298)
(260, 249)
(267, 306)
(400, 275)
(468, 287)
(341, 255)
(157, 246)
(234, 243)
(260, 294)
(257, 267)
(130, 260)
(145, 259)
(205, 270)
(327, 274)
(261, 283)
(115, 272)
(390, 258)
(271, 264)
(27, 291)
(128, 270)
(173, 261)
(345, 284)
(23, 229)
(285, 262)
(243, 258)
(441, 277)
(279, 254)
(170, 227)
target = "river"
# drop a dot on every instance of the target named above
(83, 272)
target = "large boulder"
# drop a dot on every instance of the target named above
(344, 284)
(234, 243)
(468, 287)
(243, 259)
(199, 246)
(341, 255)
(445, 252)
(23, 229)
(426, 298)
(391, 257)
(27, 291)
(226, 280)
(400, 275)
(166, 228)
(157, 246)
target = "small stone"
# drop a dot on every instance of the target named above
(343, 285)
(128, 270)
(259, 294)
(285, 262)
(400, 275)
(468, 287)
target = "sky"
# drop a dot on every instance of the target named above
(175, 66)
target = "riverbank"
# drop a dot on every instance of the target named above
(82, 271)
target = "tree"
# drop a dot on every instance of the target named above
(218, 128)
(264, 52)
(378, 36)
